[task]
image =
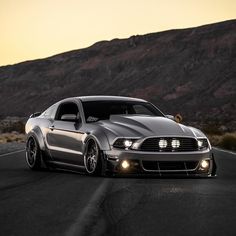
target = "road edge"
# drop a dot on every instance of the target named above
(10, 153)
(223, 150)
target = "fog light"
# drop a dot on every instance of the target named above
(125, 164)
(175, 143)
(204, 164)
(162, 143)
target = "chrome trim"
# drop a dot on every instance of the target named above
(141, 140)
(64, 150)
(66, 130)
(173, 136)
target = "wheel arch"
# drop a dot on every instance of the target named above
(38, 135)
(101, 140)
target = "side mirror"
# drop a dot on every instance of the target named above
(178, 118)
(69, 117)
(170, 117)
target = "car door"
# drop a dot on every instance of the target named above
(64, 137)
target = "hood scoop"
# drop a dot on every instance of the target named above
(160, 126)
(128, 120)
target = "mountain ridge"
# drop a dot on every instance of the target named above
(189, 71)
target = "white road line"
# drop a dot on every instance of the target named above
(10, 153)
(85, 219)
(222, 150)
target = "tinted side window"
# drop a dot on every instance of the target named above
(66, 108)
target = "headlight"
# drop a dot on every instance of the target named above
(124, 143)
(128, 143)
(202, 143)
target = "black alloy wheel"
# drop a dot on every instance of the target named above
(33, 154)
(92, 160)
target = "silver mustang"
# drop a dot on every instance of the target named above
(115, 135)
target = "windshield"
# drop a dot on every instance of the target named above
(102, 110)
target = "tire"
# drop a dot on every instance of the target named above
(93, 158)
(33, 154)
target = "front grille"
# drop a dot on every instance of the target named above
(169, 165)
(186, 145)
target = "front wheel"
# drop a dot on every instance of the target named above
(33, 154)
(93, 158)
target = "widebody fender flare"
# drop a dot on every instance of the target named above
(100, 137)
(38, 135)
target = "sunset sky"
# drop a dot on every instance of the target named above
(32, 29)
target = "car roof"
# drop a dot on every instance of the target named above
(108, 98)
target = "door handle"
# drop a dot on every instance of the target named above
(51, 127)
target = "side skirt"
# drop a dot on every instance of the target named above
(66, 166)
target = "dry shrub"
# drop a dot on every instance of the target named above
(228, 141)
(12, 137)
(212, 129)
(10, 126)
(214, 139)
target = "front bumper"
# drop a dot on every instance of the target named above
(160, 163)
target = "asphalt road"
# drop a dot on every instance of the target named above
(63, 203)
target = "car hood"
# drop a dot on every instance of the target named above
(144, 126)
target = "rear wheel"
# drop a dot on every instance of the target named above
(93, 158)
(33, 154)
